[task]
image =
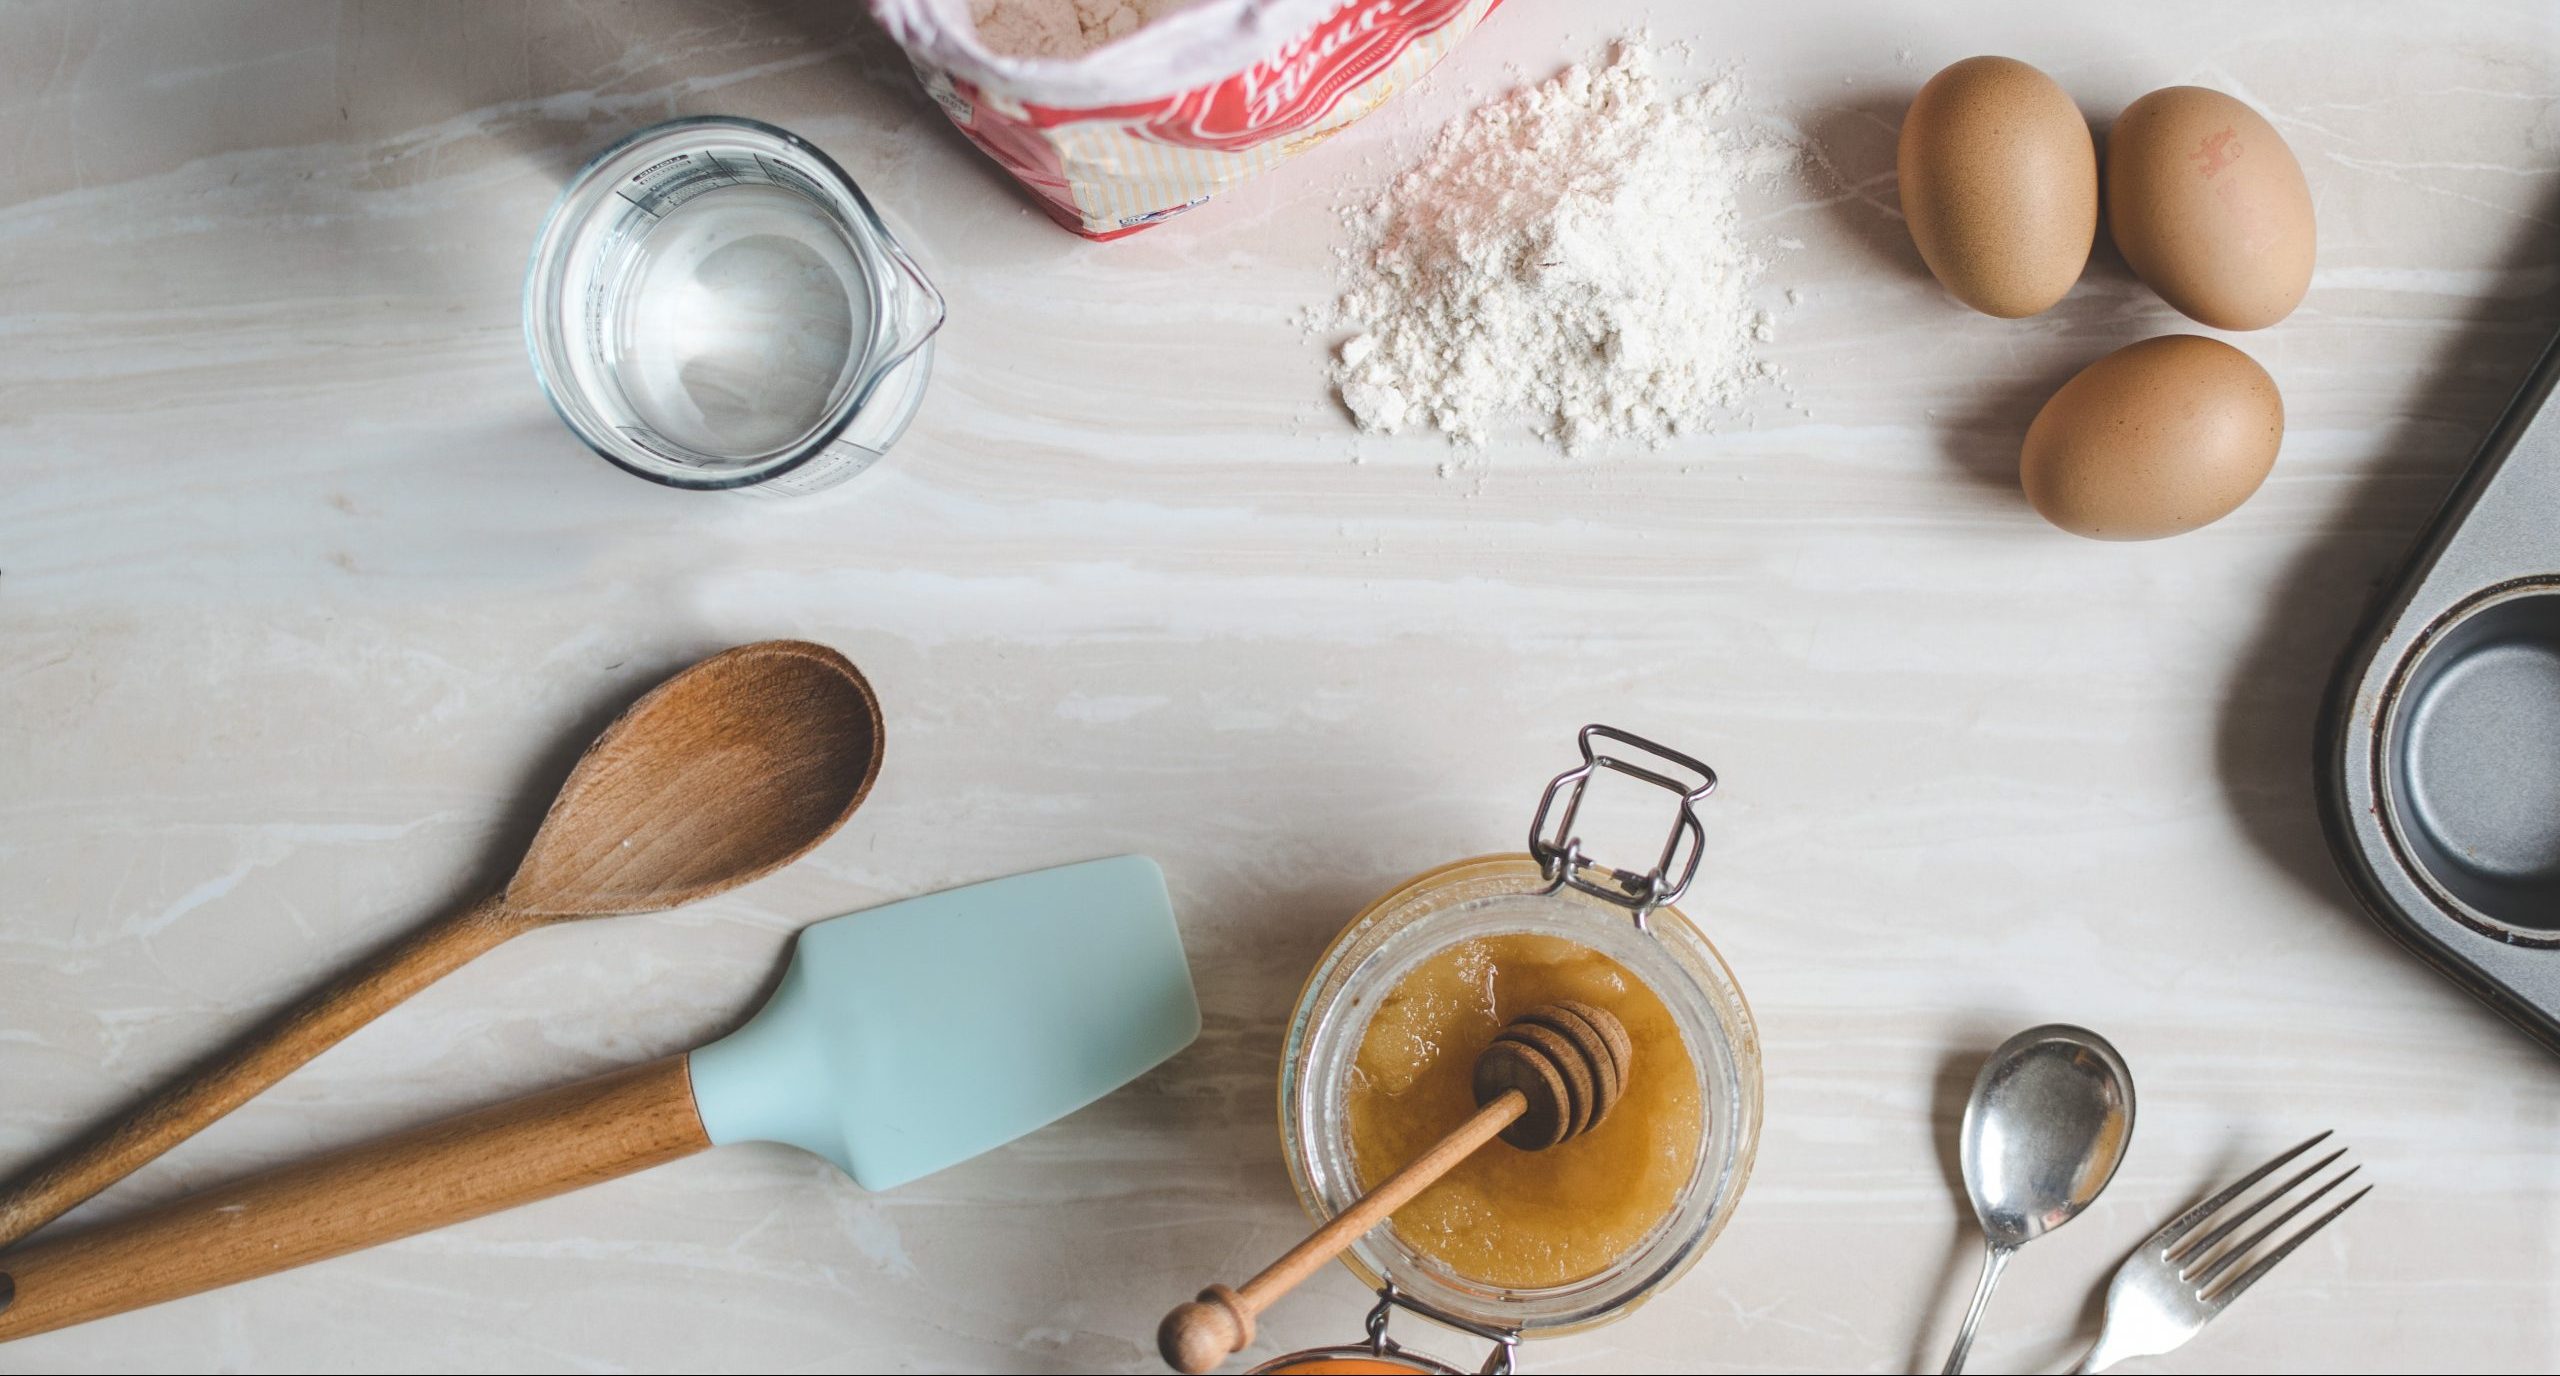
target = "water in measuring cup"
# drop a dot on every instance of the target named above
(740, 321)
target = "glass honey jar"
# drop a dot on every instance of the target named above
(1515, 1245)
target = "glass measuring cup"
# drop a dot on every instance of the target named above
(713, 304)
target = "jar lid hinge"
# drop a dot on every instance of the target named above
(1558, 850)
(1506, 1341)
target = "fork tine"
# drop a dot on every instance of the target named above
(2195, 1250)
(2185, 1223)
(2245, 1279)
(2238, 1250)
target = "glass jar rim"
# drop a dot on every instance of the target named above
(1491, 895)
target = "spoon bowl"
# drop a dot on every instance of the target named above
(2048, 1123)
(723, 774)
(2051, 1114)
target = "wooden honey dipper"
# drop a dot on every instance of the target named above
(1549, 1076)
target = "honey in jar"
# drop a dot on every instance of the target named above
(1504, 1216)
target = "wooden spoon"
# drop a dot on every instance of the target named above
(722, 774)
(1549, 1076)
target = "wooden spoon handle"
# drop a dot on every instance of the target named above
(228, 1080)
(1195, 1337)
(499, 1157)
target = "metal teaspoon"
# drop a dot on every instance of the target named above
(2050, 1117)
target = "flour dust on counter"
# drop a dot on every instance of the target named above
(1571, 256)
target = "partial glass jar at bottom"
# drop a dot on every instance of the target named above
(1491, 897)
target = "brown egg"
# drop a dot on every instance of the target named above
(2154, 439)
(2210, 208)
(1999, 185)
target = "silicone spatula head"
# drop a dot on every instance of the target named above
(911, 1036)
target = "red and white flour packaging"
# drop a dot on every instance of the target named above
(1156, 122)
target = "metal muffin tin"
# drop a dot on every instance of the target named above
(2440, 744)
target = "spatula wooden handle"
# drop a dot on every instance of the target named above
(499, 1157)
(230, 1079)
(1197, 1336)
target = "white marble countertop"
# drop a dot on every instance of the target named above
(305, 595)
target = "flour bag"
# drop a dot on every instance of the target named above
(1118, 114)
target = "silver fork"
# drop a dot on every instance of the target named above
(2179, 1278)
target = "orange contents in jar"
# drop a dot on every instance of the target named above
(1505, 1216)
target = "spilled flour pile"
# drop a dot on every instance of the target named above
(1572, 256)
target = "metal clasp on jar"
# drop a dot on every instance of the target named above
(1558, 850)
(1506, 1341)
(1386, 1351)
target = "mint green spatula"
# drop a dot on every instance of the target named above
(901, 1040)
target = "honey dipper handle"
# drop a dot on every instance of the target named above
(509, 1154)
(1197, 1336)
(235, 1075)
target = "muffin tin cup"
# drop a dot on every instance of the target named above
(2439, 762)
